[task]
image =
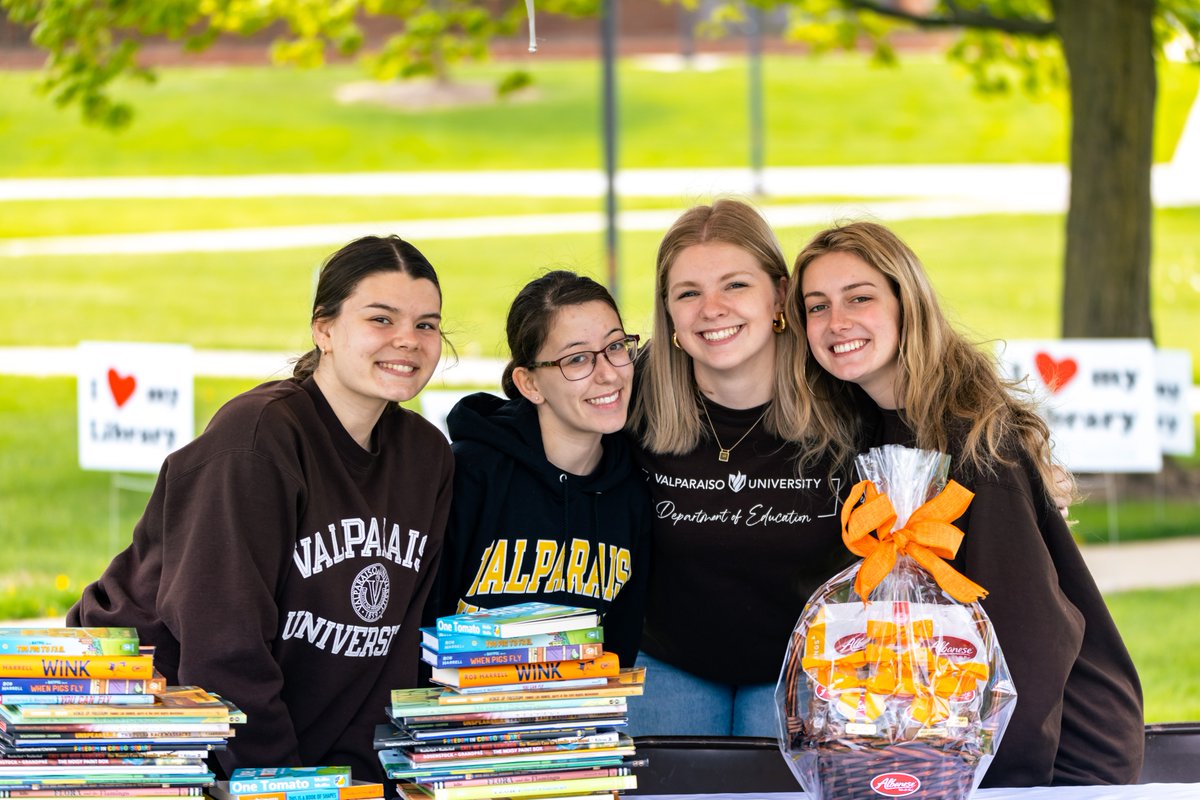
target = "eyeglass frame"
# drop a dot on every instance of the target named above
(595, 354)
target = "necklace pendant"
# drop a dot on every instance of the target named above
(723, 456)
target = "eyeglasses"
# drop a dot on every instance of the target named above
(577, 366)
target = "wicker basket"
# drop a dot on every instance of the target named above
(850, 769)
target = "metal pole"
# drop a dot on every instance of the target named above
(754, 20)
(609, 49)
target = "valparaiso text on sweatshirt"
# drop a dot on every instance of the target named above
(284, 567)
(521, 529)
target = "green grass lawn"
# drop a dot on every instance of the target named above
(833, 110)
(217, 299)
(1165, 644)
(32, 218)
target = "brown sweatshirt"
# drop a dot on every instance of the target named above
(284, 567)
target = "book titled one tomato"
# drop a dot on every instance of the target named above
(287, 779)
(545, 672)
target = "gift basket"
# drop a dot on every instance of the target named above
(893, 684)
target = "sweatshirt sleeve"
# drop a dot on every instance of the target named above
(1050, 619)
(229, 526)
(624, 617)
(471, 487)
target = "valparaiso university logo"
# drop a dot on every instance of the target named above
(369, 593)
(737, 481)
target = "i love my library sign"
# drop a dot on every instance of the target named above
(135, 404)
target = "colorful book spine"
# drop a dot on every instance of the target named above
(531, 777)
(287, 779)
(516, 704)
(522, 655)
(85, 792)
(77, 667)
(156, 684)
(520, 619)
(76, 699)
(580, 786)
(458, 643)
(359, 791)
(69, 641)
(466, 677)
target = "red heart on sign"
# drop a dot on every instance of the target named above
(1055, 374)
(122, 387)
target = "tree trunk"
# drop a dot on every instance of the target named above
(1109, 51)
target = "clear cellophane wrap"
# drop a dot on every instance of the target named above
(891, 686)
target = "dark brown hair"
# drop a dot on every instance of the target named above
(343, 271)
(532, 314)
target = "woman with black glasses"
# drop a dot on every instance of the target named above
(547, 502)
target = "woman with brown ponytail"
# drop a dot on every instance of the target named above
(286, 554)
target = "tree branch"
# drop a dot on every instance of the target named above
(959, 18)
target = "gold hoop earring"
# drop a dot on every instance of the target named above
(675, 340)
(779, 324)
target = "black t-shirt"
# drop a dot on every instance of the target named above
(739, 546)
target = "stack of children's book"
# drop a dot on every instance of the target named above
(295, 783)
(84, 714)
(528, 705)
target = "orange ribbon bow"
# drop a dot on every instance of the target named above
(927, 537)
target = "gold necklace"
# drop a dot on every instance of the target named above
(723, 455)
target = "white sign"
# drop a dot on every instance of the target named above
(135, 404)
(1176, 427)
(1098, 396)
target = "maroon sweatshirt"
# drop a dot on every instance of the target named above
(284, 567)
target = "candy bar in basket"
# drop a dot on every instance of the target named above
(893, 684)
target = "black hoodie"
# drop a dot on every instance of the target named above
(521, 529)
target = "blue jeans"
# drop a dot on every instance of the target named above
(678, 703)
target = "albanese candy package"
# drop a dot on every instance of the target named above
(893, 684)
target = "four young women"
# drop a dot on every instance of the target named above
(285, 555)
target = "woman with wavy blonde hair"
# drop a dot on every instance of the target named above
(740, 538)
(884, 366)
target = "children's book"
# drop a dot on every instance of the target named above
(547, 672)
(78, 667)
(522, 619)
(541, 788)
(515, 655)
(69, 641)
(357, 790)
(177, 704)
(76, 699)
(440, 642)
(628, 682)
(155, 684)
(287, 779)
(416, 710)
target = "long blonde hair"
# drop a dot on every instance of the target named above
(948, 391)
(667, 420)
